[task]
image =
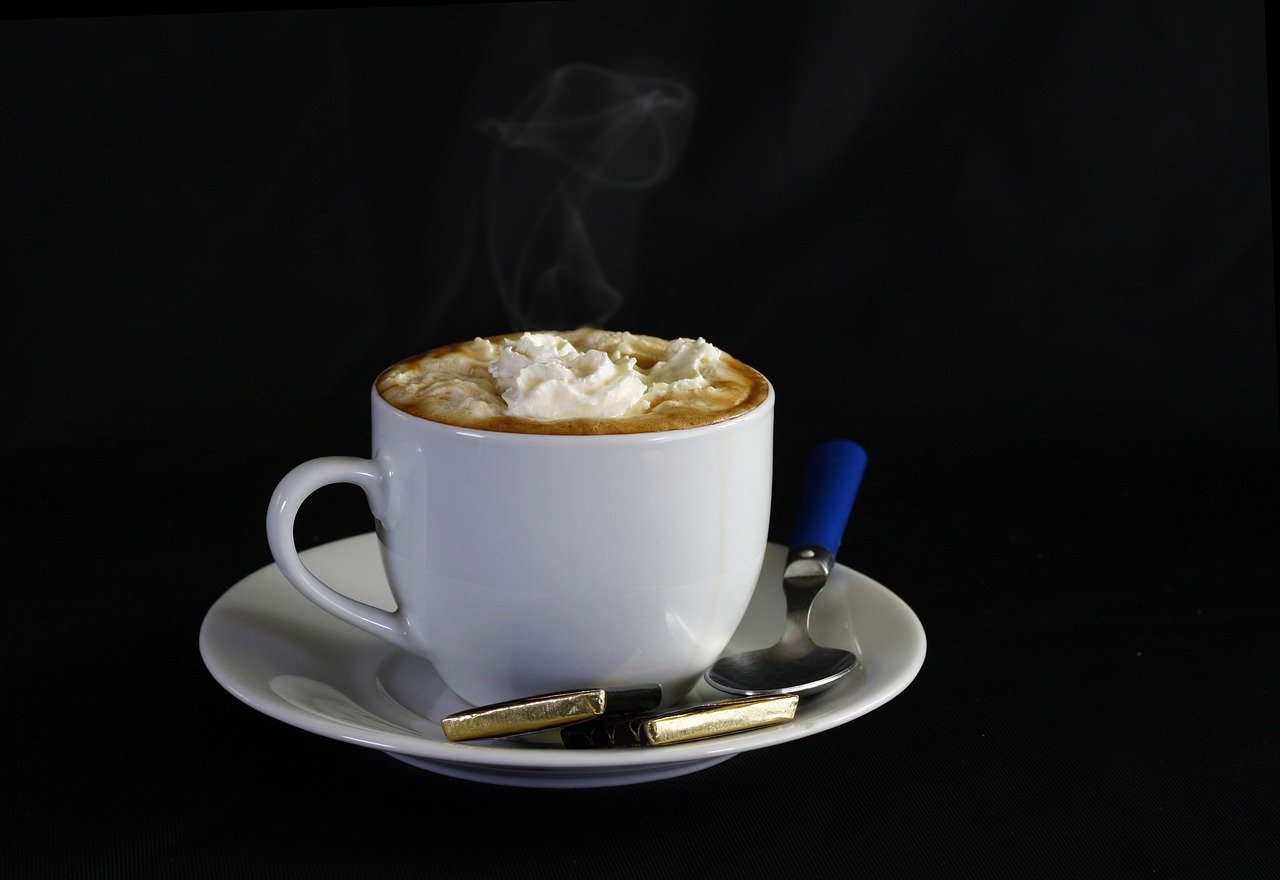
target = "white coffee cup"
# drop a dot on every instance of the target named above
(527, 563)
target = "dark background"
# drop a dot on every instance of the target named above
(1022, 254)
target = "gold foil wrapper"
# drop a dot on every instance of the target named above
(730, 716)
(545, 711)
(682, 725)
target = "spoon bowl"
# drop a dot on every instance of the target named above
(775, 671)
(795, 664)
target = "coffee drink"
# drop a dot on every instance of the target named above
(585, 381)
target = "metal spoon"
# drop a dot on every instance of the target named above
(795, 664)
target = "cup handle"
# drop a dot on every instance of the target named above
(296, 486)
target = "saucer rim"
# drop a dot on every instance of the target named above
(266, 588)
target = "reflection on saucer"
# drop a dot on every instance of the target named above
(327, 702)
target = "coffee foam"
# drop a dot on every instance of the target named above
(453, 385)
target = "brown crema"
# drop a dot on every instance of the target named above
(452, 385)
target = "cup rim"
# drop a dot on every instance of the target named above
(765, 406)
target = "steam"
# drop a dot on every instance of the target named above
(581, 128)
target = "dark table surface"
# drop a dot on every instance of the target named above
(1023, 257)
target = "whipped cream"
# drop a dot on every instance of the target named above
(543, 376)
(583, 381)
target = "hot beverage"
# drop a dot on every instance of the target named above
(584, 381)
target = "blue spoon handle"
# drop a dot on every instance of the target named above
(831, 482)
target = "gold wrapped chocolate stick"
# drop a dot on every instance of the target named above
(545, 711)
(681, 725)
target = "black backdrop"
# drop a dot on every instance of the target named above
(1022, 254)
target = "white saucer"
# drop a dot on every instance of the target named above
(285, 657)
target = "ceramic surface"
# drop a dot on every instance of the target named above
(530, 563)
(285, 657)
